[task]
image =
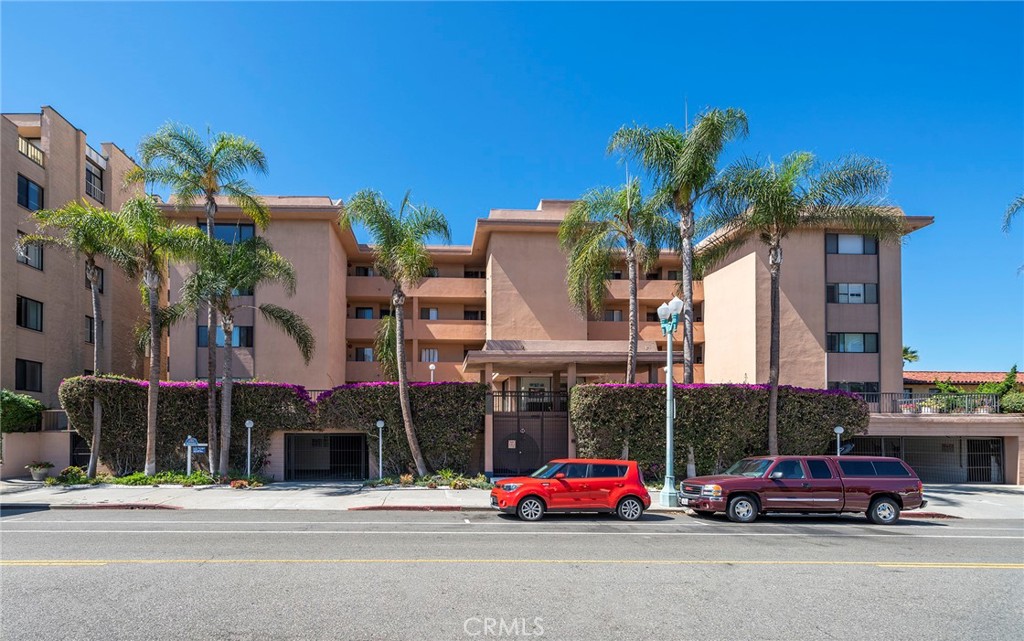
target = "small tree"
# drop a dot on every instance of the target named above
(87, 231)
(225, 269)
(400, 256)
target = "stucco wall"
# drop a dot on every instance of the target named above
(730, 338)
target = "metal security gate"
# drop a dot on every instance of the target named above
(940, 459)
(530, 429)
(81, 450)
(325, 457)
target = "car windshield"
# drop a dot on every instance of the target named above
(547, 471)
(752, 467)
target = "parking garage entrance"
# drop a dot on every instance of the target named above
(326, 457)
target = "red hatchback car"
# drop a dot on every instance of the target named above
(575, 485)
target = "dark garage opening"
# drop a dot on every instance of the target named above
(941, 459)
(325, 457)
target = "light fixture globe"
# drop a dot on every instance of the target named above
(675, 306)
(249, 423)
(838, 429)
(380, 424)
(663, 312)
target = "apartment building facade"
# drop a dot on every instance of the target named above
(45, 298)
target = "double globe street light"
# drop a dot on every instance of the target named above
(668, 313)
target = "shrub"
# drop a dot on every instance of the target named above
(239, 484)
(39, 465)
(72, 475)
(405, 479)
(1012, 402)
(723, 423)
(459, 484)
(448, 418)
(19, 412)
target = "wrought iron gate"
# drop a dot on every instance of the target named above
(325, 457)
(530, 429)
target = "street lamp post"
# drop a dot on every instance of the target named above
(432, 368)
(248, 448)
(839, 432)
(669, 315)
(380, 449)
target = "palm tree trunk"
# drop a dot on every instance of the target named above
(774, 267)
(633, 321)
(228, 325)
(686, 251)
(97, 351)
(211, 356)
(152, 279)
(398, 302)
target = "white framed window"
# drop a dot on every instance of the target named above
(428, 355)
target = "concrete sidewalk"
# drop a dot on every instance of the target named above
(959, 501)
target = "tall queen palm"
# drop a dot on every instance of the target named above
(683, 166)
(769, 201)
(223, 269)
(199, 170)
(400, 256)
(603, 225)
(87, 231)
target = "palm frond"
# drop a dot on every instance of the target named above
(293, 325)
(1016, 207)
(385, 340)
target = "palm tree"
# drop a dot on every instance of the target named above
(85, 231)
(223, 269)
(768, 202)
(683, 166)
(146, 242)
(909, 355)
(599, 227)
(198, 170)
(1016, 207)
(400, 256)
(384, 347)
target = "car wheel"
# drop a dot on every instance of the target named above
(630, 509)
(883, 511)
(530, 509)
(742, 509)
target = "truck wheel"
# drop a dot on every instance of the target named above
(531, 509)
(742, 509)
(883, 511)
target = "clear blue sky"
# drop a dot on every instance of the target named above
(483, 106)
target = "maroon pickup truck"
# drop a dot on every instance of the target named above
(879, 486)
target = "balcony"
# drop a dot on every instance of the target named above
(95, 192)
(35, 154)
(365, 329)
(377, 288)
(451, 330)
(650, 290)
(361, 371)
(903, 403)
(649, 331)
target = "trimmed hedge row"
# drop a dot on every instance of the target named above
(723, 423)
(449, 420)
(19, 412)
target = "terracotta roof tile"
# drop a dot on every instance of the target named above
(957, 378)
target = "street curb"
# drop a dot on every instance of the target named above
(89, 506)
(928, 515)
(418, 508)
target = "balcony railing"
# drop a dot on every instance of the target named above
(529, 401)
(54, 421)
(94, 191)
(35, 154)
(903, 403)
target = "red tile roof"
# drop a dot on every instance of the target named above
(957, 378)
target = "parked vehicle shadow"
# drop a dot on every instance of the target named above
(842, 520)
(590, 517)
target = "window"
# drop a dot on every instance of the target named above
(30, 314)
(99, 279)
(890, 468)
(364, 354)
(385, 312)
(94, 181)
(364, 312)
(428, 355)
(474, 314)
(33, 256)
(852, 467)
(607, 471)
(87, 372)
(231, 233)
(698, 353)
(652, 317)
(866, 293)
(613, 314)
(242, 291)
(674, 274)
(615, 275)
(363, 270)
(819, 469)
(432, 272)
(575, 470)
(850, 244)
(474, 273)
(90, 329)
(791, 469)
(241, 336)
(856, 388)
(28, 375)
(428, 313)
(652, 276)
(853, 343)
(30, 195)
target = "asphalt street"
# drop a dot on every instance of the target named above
(147, 574)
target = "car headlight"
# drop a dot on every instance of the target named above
(509, 487)
(711, 490)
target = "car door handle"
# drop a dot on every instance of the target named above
(545, 484)
(620, 485)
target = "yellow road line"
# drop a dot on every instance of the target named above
(879, 564)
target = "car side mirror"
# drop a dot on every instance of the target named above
(559, 476)
(775, 475)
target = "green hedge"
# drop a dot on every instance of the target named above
(19, 412)
(181, 412)
(723, 423)
(448, 418)
(1012, 403)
